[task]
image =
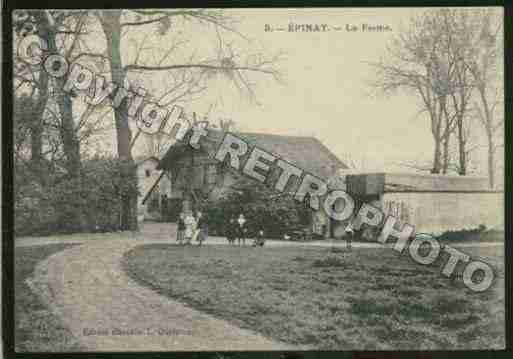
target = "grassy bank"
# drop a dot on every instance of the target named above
(36, 328)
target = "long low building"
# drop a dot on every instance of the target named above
(196, 175)
(431, 203)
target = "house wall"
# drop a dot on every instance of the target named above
(182, 177)
(199, 172)
(144, 184)
(225, 180)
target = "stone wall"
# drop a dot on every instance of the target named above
(432, 182)
(436, 212)
(431, 203)
(366, 184)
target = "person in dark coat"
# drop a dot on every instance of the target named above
(180, 233)
(231, 228)
(202, 224)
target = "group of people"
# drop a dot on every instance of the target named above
(195, 228)
(237, 230)
(192, 228)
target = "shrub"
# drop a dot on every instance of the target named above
(474, 234)
(90, 203)
(262, 208)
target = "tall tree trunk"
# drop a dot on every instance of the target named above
(36, 118)
(445, 165)
(446, 133)
(110, 21)
(36, 144)
(491, 159)
(436, 159)
(71, 144)
(488, 124)
(71, 148)
(36, 127)
(68, 134)
(437, 154)
(462, 171)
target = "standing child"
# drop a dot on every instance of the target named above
(259, 239)
(202, 227)
(349, 235)
(181, 229)
(190, 228)
(241, 230)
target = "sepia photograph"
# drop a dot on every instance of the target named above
(258, 179)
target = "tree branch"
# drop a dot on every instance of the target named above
(134, 67)
(138, 23)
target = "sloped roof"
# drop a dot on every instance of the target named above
(307, 153)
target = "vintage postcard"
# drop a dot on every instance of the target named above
(258, 179)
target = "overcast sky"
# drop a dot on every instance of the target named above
(326, 93)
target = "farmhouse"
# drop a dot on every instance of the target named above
(196, 174)
(431, 203)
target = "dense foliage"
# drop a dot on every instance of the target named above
(51, 206)
(275, 214)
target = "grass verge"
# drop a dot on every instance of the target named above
(37, 329)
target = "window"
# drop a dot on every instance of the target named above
(148, 172)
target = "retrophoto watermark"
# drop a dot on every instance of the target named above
(117, 178)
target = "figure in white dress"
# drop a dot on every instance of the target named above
(190, 228)
(241, 229)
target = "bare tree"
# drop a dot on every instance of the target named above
(53, 108)
(57, 128)
(192, 77)
(411, 64)
(485, 66)
(31, 87)
(440, 59)
(458, 46)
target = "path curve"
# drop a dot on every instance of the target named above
(165, 233)
(86, 286)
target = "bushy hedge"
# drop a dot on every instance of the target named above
(263, 209)
(59, 204)
(480, 233)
